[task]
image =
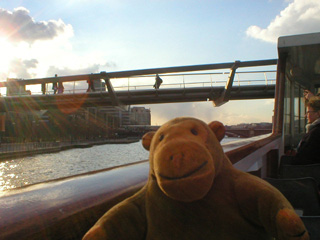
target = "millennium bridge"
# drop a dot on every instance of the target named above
(145, 86)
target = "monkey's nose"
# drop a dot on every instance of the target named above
(177, 159)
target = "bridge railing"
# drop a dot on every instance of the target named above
(197, 80)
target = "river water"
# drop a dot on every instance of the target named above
(34, 169)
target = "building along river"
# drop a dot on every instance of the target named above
(39, 168)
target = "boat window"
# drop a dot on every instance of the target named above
(287, 108)
(294, 113)
(303, 121)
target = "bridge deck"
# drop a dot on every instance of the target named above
(133, 97)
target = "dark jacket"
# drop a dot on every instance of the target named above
(308, 151)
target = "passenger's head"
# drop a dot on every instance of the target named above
(313, 109)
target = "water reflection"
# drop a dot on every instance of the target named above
(28, 170)
(7, 175)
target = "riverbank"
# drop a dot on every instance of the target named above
(17, 150)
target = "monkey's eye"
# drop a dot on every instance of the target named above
(161, 137)
(194, 131)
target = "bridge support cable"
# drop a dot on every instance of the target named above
(225, 96)
(113, 96)
(43, 88)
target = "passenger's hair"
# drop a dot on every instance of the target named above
(314, 102)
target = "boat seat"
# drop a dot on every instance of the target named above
(312, 224)
(302, 193)
(300, 171)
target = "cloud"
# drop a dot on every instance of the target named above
(32, 63)
(3, 76)
(35, 49)
(161, 113)
(21, 68)
(94, 68)
(19, 26)
(233, 112)
(300, 16)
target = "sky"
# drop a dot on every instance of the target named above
(43, 38)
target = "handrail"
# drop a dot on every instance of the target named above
(66, 208)
(204, 73)
(238, 154)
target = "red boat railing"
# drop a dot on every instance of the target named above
(67, 208)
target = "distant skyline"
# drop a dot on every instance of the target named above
(43, 38)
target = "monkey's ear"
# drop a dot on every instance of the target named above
(146, 140)
(218, 129)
